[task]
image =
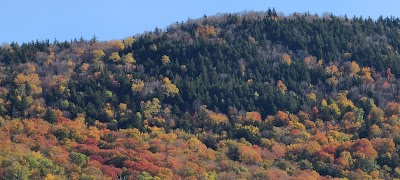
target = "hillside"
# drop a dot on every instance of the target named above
(253, 95)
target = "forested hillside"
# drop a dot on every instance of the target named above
(254, 95)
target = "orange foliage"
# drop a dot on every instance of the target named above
(392, 108)
(320, 138)
(278, 150)
(281, 86)
(205, 31)
(276, 173)
(280, 119)
(286, 59)
(306, 175)
(384, 145)
(366, 72)
(363, 148)
(253, 116)
(389, 74)
(333, 69)
(354, 68)
(248, 155)
(217, 118)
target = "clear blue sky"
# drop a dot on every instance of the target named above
(26, 20)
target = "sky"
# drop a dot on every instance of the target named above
(26, 21)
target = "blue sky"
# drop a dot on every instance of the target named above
(24, 20)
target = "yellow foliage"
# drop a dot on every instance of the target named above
(31, 67)
(70, 64)
(169, 88)
(85, 67)
(98, 54)
(137, 86)
(193, 144)
(49, 177)
(128, 58)
(217, 118)
(366, 72)
(129, 41)
(151, 108)
(169, 138)
(165, 60)
(122, 106)
(354, 68)
(324, 103)
(312, 147)
(312, 97)
(115, 57)
(334, 109)
(37, 110)
(254, 130)
(338, 136)
(33, 81)
(343, 102)
(116, 45)
(51, 57)
(109, 113)
(58, 113)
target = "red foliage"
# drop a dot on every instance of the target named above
(96, 158)
(110, 171)
(325, 157)
(174, 163)
(87, 149)
(330, 148)
(315, 111)
(364, 148)
(91, 141)
(142, 166)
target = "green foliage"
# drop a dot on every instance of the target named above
(78, 158)
(50, 116)
(144, 176)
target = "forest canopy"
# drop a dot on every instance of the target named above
(253, 95)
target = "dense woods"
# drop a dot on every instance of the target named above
(255, 95)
